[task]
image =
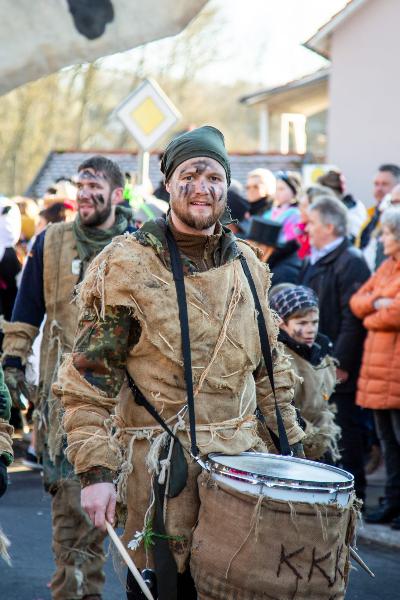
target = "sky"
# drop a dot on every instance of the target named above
(266, 36)
(260, 40)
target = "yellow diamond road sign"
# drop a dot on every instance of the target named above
(148, 116)
(147, 113)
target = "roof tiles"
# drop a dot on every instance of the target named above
(65, 164)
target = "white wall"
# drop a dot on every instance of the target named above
(364, 117)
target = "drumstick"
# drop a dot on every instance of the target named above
(131, 565)
(360, 561)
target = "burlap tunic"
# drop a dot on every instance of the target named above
(225, 354)
(58, 334)
(313, 389)
(77, 545)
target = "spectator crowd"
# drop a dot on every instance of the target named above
(322, 239)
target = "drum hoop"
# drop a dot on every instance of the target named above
(273, 481)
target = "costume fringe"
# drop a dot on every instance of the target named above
(49, 402)
(153, 457)
(253, 525)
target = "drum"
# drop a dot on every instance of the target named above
(272, 528)
(283, 477)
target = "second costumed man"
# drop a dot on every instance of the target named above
(57, 262)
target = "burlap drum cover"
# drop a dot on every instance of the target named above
(252, 548)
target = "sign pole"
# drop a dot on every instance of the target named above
(143, 166)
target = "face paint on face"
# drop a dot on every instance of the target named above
(200, 166)
(303, 329)
(185, 190)
(99, 200)
(94, 198)
(213, 194)
(198, 192)
(91, 175)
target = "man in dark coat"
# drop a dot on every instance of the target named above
(335, 271)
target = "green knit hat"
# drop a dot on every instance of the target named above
(204, 141)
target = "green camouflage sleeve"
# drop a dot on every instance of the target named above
(101, 346)
(99, 355)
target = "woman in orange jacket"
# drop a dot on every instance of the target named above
(377, 302)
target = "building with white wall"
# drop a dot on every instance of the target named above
(292, 117)
(362, 92)
(364, 89)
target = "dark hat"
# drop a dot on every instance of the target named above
(264, 231)
(204, 141)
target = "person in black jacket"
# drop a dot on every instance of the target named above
(335, 271)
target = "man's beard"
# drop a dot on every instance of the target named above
(198, 222)
(99, 216)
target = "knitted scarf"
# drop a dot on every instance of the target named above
(91, 240)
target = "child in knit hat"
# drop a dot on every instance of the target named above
(298, 309)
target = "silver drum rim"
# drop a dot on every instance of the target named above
(290, 484)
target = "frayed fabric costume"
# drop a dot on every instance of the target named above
(57, 263)
(316, 371)
(130, 321)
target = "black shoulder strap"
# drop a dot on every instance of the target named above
(266, 351)
(141, 400)
(177, 271)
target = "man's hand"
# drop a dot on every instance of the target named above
(382, 303)
(99, 500)
(17, 385)
(341, 376)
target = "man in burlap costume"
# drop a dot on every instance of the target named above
(58, 261)
(130, 320)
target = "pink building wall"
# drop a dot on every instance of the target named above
(364, 114)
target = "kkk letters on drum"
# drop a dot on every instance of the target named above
(260, 547)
